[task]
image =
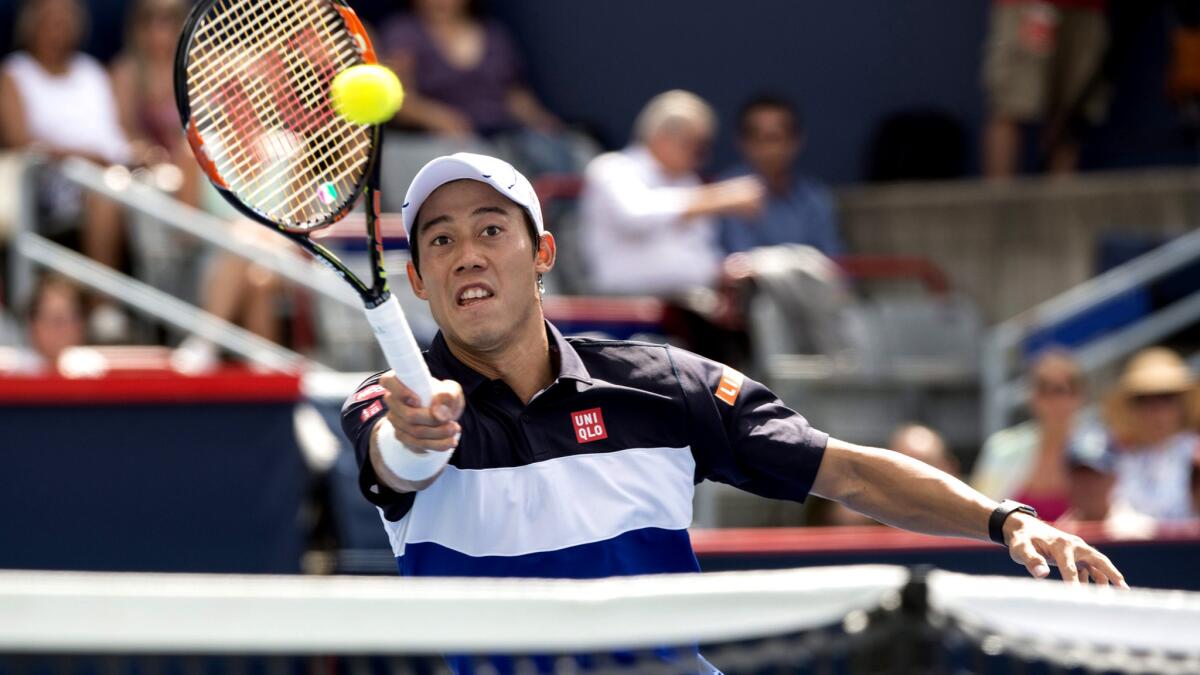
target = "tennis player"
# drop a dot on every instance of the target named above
(545, 456)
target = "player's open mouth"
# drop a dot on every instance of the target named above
(473, 294)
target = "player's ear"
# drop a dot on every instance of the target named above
(414, 280)
(547, 251)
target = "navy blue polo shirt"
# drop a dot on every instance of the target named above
(594, 477)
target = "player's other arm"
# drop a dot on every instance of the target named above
(401, 441)
(909, 494)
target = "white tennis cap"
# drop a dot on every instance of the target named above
(497, 173)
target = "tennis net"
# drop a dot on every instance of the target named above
(861, 619)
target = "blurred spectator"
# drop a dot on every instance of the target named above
(1042, 63)
(913, 440)
(1092, 500)
(798, 209)
(239, 291)
(54, 323)
(649, 222)
(1152, 416)
(465, 77)
(143, 78)
(59, 102)
(1091, 485)
(1031, 461)
(926, 445)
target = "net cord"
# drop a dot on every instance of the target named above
(1026, 611)
(67, 612)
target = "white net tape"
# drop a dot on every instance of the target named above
(1098, 628)
(112, 613)
(866, 618)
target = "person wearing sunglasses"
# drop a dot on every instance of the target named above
(1031, 462)
(1152, 416)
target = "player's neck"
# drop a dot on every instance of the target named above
(522, 362)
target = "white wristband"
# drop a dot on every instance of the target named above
(405, 463)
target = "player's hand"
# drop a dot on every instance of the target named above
(1037, 545)
(433, 427)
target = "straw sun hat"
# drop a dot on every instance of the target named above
(1151, 372)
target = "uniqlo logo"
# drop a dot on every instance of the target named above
(589, 425)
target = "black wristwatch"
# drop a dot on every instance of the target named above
(1001, 514)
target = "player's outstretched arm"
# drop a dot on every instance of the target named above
(909, 494)
(412, 444)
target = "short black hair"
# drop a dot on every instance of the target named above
(767, 101)
(415, 253)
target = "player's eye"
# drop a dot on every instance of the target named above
(440, 240)
(492, 230)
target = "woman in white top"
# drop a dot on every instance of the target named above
(1152, 416)
(59, 102)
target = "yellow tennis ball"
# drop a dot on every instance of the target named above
(366, 94)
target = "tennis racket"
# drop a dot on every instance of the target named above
(252, 82)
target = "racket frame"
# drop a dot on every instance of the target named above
(367, 186)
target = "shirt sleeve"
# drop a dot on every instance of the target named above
(743, 435)
(360, 412)
(627, 203)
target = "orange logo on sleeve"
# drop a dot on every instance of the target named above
(730, 385)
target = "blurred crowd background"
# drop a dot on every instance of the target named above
(849, 201)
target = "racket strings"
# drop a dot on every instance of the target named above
(258, 79)
(262, 89)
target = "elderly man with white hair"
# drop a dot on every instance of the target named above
(649, 221)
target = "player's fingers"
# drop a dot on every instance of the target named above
(422, 444)
(1084, 576)
(397, 388)
(1064, 556)
(403, 414)
(416, 444)
(444, 430)
(448, 401)
(1101, 565)
(1023, 552)
(1098, 577)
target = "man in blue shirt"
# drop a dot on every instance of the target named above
(547, 456)
(798, 209)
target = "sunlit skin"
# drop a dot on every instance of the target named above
(474, 240)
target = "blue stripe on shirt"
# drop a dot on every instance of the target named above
(645, 551)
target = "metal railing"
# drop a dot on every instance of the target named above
(1003, 392)
(119, 184)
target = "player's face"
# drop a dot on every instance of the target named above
(478, 265)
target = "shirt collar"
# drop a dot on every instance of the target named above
(570, 366)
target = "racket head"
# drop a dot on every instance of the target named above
(252, 84)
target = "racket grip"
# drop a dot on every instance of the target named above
(400, 348)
